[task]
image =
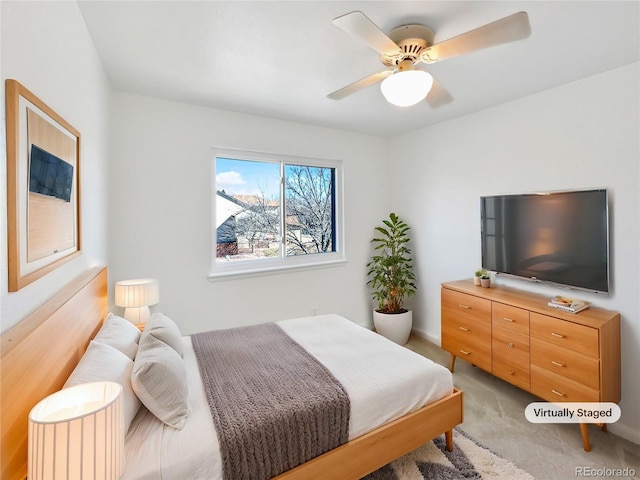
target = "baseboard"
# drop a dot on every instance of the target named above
(624, 432)
(422, 334)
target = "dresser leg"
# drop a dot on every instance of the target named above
(585, 436)
(452, 363)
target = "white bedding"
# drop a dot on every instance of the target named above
(384, 381)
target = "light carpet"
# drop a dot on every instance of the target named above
(468, 460)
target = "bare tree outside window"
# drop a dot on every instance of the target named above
(309, 205)
(259, 225)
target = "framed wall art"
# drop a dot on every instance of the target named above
(43, 188)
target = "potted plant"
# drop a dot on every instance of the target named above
(478, 275)
(392, 279)
(485, 279)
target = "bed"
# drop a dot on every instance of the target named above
(43, 340)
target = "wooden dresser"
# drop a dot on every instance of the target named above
(557, 356)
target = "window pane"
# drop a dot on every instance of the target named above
(310, 209)
(247, 210)
(272, 212)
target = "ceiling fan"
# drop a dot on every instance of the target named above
(409, 45)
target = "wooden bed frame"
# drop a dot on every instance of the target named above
(39, 354)
(373, 450)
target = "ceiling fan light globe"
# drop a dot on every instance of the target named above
(407, 88)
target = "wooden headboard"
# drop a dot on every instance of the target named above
(39, 354)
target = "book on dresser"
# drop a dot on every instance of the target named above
(567, 304)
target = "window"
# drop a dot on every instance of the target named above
(274, 211)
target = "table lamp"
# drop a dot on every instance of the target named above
(136, 296)
(78, 433)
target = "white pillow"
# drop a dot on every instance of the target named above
(121, 334)
(164, 329)
(159, 380)
(102, 362)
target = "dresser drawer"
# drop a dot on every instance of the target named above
(463, 325)
(479, 354)
(513, 375)
(456, 304)
(478, 334)
(513, 318)
(578, 338)
(510, 347)
(556, 388)
(510, 356)
(469, 340)
(576, 366)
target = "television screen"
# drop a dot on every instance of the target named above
(49, 175)
(558, 237)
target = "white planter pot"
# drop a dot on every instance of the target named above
(396, 327)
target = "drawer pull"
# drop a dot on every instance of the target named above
(557, 364)
(464, 306)
(560, 394)
(557, 335)
(512, 372)
(507, 319)
(465, 352)
(510, 345)
(464, 329)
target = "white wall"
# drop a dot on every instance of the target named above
(160, 218)
(584, 134)
(46, 47)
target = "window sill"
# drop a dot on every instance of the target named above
(273, 270)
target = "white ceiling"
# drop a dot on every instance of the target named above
(281, 58)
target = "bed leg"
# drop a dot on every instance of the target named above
(452, 363)
(448, 436)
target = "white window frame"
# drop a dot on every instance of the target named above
(282, 263)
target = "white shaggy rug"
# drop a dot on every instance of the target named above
(468, 460)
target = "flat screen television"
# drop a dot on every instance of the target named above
(557, 237)
(50, 175)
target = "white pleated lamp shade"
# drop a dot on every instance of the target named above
(78, 433)
(140, 292)
(136, 296)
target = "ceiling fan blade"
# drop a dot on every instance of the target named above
(358, 24)
(438, 95)
(359, 85)
(507, 29)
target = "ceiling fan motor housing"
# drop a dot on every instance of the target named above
(412, 39)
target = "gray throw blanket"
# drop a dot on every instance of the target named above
(273, 404)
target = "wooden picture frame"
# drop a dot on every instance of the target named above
(43, 188)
